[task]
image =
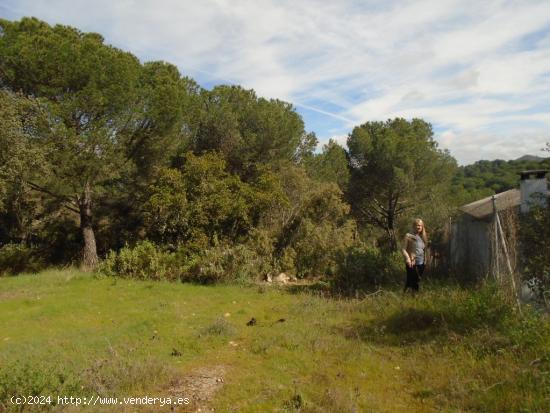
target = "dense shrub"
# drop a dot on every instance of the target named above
(217, 264)
(311, 228)
(17, 258)
(362, 267)
(535, 245)
(201, 203)
(143, 261)
(228, 263)
(317, 246)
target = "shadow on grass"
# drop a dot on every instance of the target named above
(410, 326)
(325, 289)
(321, 288)
(447, 314)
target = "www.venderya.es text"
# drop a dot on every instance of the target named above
(97, 400)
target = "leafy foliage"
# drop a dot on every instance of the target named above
(361, 267)
(225, 263)
(331, 165)
(19, 159)
(249, 130)
(397, 169)
(201, 203)
(17, 258)
(144, 261)
(222, 263)
(535, 245)
(99, 110)
(489, 177)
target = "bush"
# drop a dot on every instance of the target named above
(309, 226)
(26, 379)
(17, 258)
(143, 261)
(535, 246)
(220, 327)
(481, 308)
(317, 246)
(146, 261)
(202, 202)
(362, 267)
(228, 263)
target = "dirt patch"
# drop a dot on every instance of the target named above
(12, 295)
(199, 386)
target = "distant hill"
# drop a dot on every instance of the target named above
(487, 177)
(530, 158)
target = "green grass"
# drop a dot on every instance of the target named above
(448, 349)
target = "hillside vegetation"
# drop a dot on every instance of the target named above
(484, 178)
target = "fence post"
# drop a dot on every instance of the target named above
(501, 232)
(496, 268)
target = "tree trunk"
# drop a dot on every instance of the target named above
(390, 229)
(89, 251)
(390, 232)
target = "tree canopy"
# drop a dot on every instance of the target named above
(397, 168)
(249, 130)
(490, 177)
(100, 152)
(101, 111)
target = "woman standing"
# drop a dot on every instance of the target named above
(414, 246)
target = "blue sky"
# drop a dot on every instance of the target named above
(479, 71)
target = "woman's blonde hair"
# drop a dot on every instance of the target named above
(423, 234)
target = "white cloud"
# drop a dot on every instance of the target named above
(340, 140)
(461, 65)
(472, 146)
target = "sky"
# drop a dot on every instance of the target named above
(478, 71)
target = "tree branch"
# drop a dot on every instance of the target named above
(373, 218)
(62, 198)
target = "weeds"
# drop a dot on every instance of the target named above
(220, 327)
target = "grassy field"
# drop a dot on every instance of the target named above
(67, 333)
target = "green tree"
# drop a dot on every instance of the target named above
(490, 177)
(158, 129)
(201, 203)
(397, 168)
(10, 142)
(18, 160)
(308, 225)
(102, 112)
(331, 165)
(250, 131)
